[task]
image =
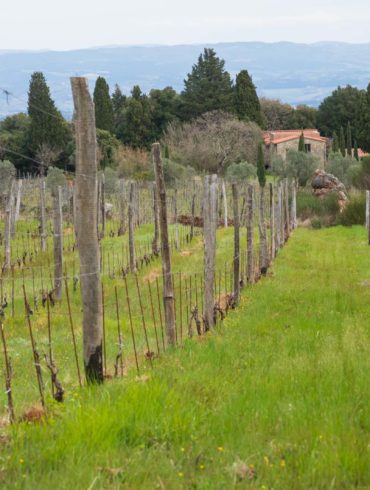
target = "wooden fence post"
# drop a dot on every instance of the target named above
(209, 236)
(263, 233)
(272, 221)
(86, 220)
(42, 215)
(224, 198)
(18, 202)
(155, 242)
(294, 205)
(236, 261)
(168, 292)
(131, 242)
(58, 244)
(250, 231)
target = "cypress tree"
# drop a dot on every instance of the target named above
(104, 118)
(47, 127)
(355, 150)
(208, 87)
(335, 144)
(349, 140)
(246, 102)
(342, 142)
(261, 172)
(301, 146)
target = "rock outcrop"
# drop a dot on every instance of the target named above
(324, 183)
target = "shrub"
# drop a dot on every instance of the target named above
(7, 174)
(54, 179)
(309, 206)
(344, 168)
(354, 213)
(111, 179)
(134, 163)
(241, 171)
(300, 166)
(174, 171)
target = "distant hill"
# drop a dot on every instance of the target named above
(294, 73)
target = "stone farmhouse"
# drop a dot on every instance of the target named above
(280, 142)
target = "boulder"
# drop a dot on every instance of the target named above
(323, 183)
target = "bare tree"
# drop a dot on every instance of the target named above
(213, 141)
(47, 156)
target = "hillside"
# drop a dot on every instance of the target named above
(275, 398)
(295, 73)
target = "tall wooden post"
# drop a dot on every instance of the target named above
(263, 233)
(286, 206)
(42, 215)
(272, 222)
(250, 231)
(131, 243)
(293, 213)
(236, 245)
(224, 198)
(87, 236)
(18, 202)
(155, 242)
(177, 242)
(168, 292)
(209, 237)
(58, 244)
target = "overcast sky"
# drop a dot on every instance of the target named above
(70, 24)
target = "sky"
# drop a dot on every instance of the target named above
(72, 24)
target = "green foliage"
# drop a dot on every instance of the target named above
(107, 145)
(301, 146)
(55, 179)
(7, 174)
(335, 144)
(241, 171)
(355, 151)
(174, 172)
(300, 166)
(343, 106)
(47, 126)
(354, 212)
(349, 140)
(208, 87)
(361, 175)
(342, 142)
(111, 181)
(261, 171)
(276, 114)
(13, 137)
(104, 118)
(364, 134)
(342, 167)
(164, 109)
(310, 206)
(246, 103)
(118, 103)
(302, 117)
(135, 125)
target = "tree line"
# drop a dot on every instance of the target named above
(136, 120)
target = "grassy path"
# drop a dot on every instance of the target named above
(277, 398)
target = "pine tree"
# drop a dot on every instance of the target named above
(335, 144)
(261, 172)
(342, 142)
(349, 140)
(364, 135)
(104, 118)
(118, 102)
(355, 150)
(246, 102)
(47, 127)
(301, 144)
(208, 87)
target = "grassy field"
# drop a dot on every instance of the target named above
(275, 398)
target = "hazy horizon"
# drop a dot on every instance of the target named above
(88, 23)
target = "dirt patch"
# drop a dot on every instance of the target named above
(153, 275)
(68, 231)
(186, 253)
(198, 221)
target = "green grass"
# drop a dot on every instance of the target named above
(277, 397)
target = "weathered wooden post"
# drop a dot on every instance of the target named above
(282, 214)
(250, 231)
(177, 242)
(236, 245)
(18, 202)
(42, 215)
(86, 221)
(9, 210)
(155, 242)
(286, 206)
(102, 205)
(131, 243)
(272, 222)
(121, 197)
(209, 237)
(293, 212)
(168, 292)
(262, 232)
(58, 243)
(224, 198)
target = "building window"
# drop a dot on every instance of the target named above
(307, 148)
